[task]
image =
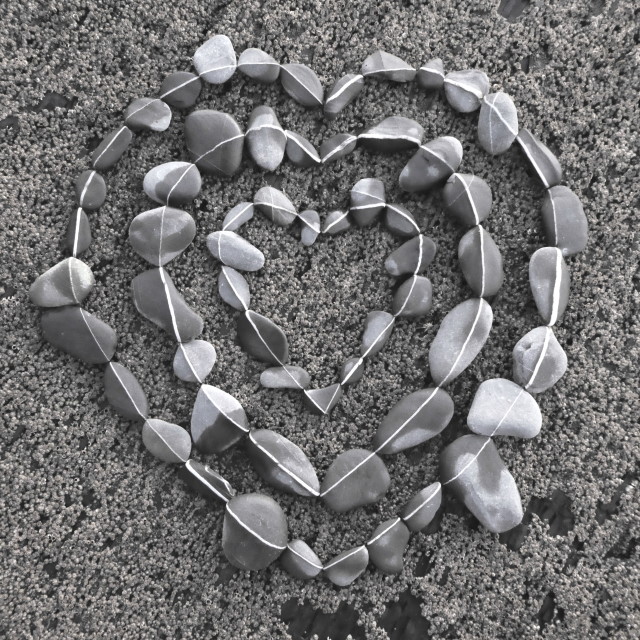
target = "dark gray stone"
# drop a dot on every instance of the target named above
(413, 297)
(467, 198)
(422, 508)
(385, 66)
(262, 339)
(342, 94)
(542, 160)
(323, 400)
(265, 138)
(181, 89)
(392, 134)
(173, 183)
(237, 216)
(300, 561)
(336, 222)
(215, 60)
(352, 371)
(550, 283)
(124, 393)
(564, 220)
(337, 147)
(68, 282)
(431, 75)
(481, 262)
(466, 89)
(166, 441)
(310, 227)
(431, 164)
(91, 190)
(259, 65)
(148, 114)
(497, 123)
(367, 198)
(387, 545)
(400, 221)
(234, 251)
(538, 360)
(206, 482)
(111, 149)
(286, 377)
(78, 236)
(414, 256)
(347, 566)
(194, 360)
(234, 289)
(378, 327)
(300, 152)
(302, 84)
(275, 205)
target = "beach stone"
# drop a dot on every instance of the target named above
(355, 478)
(482, 482)
(300, 152)
(460, 338)
(550, 283)
(392, 134)
(159, 235)
(378, 327)
(430, 76)
(157, 299)
(215, 60)
(275, 205)
(254, 531)
(323, 400)
(385, 66)
(218, 420)
(387, 545)
(234, 251)
(78, 236)
(111, 149)
(173, 183)
(310, 227)
(400, 221)
(564, 220)
(352, 371)
(234, 289)
(214, 140)
(194, 360)
(281, 463)
(538, 360)
(262, 339)
(166, 441)
(68, 282)
(237, 216)
(336, 222)
(206, 482)
(422, 508)
(337, 147)
(467, 198)
(431, 164)
(503, 408)
(466, 89)
(148, 114)
(91, 191)
(481, 262)
(497, 123)
(302, 84)
(347, 566)
(265, 138)
(79, 333)
(300, 561)
(413, 297)
(542, 160)
(286, 377)
(414, 256)
(259, 65)
(342, 94)
(124, 393)
(367, 197)
(181, 89)
(416, 418)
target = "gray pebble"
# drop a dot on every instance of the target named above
(300, 561)
(275, 205)
(302, 84)
(300, 152)
(431, 75)
(414, 256)
(413, 297)
(550, 282)
(262, 339)
(392, 134)
(234, 289)
(538, 360)
(368, 200)
(352, 371)
(148, 114)
(110, 150)
(400, 221)
(378, 327)
(68, 282)
(467, 198)
(481, 262)
(194, 360)
(124, 393)
(542, 160)
(206, 482)
(497, 123)
(259, 65)
(431, 164)
(78, 236)
(387, 545)
(385, 66)
(323, 400)
(173, 183)
(237, 216)
(166, 441)
(181, 89)
(310, 227)
(347, 566)
(265, 138)
(342, 94)
(286, 377)
(466, 89)
(91, 191)
(337, 147)
(215, 60)
(564, 220)
(422, 508)
(234, 251)
(336, 222)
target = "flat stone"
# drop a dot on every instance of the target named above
(431, 75)
(310, 228)
(234, 251)
(503, 408)
(497, 123)
(540, 157)
(538, 360)
(564, 220)
(281, 463)
(466, 89)
(234, 289)
(431, 164)
(262, 339)
(286, 377)
(368, 200)
(337, 147)
(206, 482)
(194, 360)
(400, 221)
(91, 191)
(166, 441)
(237, 216)
(392, 134)
(80, 334)
(215, 60)
(336, 222)
(413, 297)
(347, 566)
(68, 282)
(259, 65)
(124, 393)
(413, 257)
(342, 94)
(355, 478)
(416, 418)
(422, 508)
(302, 84)
(275, 205)
(482, 482)
(111, 149)
(323, 400)
(300, 561)
(378, 327)
(467, 198)
(300, 152)
(254, 531)
(387, 545)
(481, 262)
(181, 89)
(550, 283)
(352, 371)
(148, 114)
(460, 338)
(385, 66)
(173, 183)
(218, 420)
(78, 236)
(265, 138)
(161, 234)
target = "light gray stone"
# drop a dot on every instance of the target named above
(393, 134)
(124, 393)
(194, 360)
(542, 160)
(422, 508)
(466, 89)
(413, 297)
(302, 84)
(265, 138)
(215, 60)
(385, 66)
(148, 114)
(111, 149)
(413, 257)
(431, 164)
(91, 190)
(323, 400)
(237, 216)
(166, 441)
(387, 545)
(467, 198)
(286, 377)
(173, 183)
(538, 360)
(310, 228)
(564, 220)
(300, 152)
(259, 65)
(336, 222)
(352, 371)
(367, 198)
(300, 561)
(347, 566)
(78, 236)
(68, 282)
(378, 327)
(234, 251)
(550, 283)
(342, 94)
(481, 262)
(234, 289)
(337, 147)
(497, 123)
(275, 205)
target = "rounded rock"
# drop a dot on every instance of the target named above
(265, 138)
(110, 150)
(237, 216)
(259, 65)
(166, 441)
(194, 360)
(400, 221)
(68, 282)
(275, 205)
(467, 198)
(173, 183)
(385, 66)
(262, 339)
(352, 371)
(310, 227)
(286, 377)
(302, 84)
(564, 220)
(387, 545)
(347, 566)
(342, 94)
(78, 236)
(550, 283)
(323, 400)
(215, 60)
(148, 114)
(234, 251)
(542, 160)
(234, 289)
(367, 198)
(300, 561)
(414, 256)
(91, 190)
(538, 360)
(466, 89)
(422, 508)
(206, 482)
(181, 89)
(481, 262)
(393, 134)
(431, 164)
(336, 222)
(378, 327)
(300, 152)
(124, 392)
(497, 123)
(337, 147)
(413, 297)
(431, 75)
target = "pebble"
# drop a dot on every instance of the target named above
(347, 566)
(286, 377)
(481, 262)
(323, 400)
(265, 138)
(300, 152)
(431, 75)
(237, 216)
(194, 360)
(161, 234)
(550, 282)
(215, 60)
(431, 164)
(300, 561)
(234, 289)
(413, 297)
(400, 221)
(79, 333)
(254, 531)
(281, 463)
(387, 545)
(393, 134)
(542, 160)
(355, 478)
(302, 84)
(336, 222)
(337, 147)
(564, 220)
(310, 227)
(173, 183)
(259, 65)
(466, 89)
(414, 256)
(262, 339)
(422, 508)
(110, 150)
(503, 408)
(467, 198)
(166, 441)
(214, 140)
(460, 338)
(352, 371)
(367, 197)
(482, 482)
(68, 282)
(497, 123)
(148, 114)
(275, 205)
(385, 66)
(342, 94)
(416, 418)
(234, 251)
(157, 299)
(124, 393)
(181, 89)
(378, 327)
(206, 482)
(91, 191)
(78, 236)
(538, 360)
(218, 420)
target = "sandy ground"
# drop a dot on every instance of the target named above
(100, 541)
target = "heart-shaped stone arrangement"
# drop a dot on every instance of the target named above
(255, 531)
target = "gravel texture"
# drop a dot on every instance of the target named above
(99, 540)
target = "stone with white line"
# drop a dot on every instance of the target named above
(467, 198)
(343, 93)
(538, 360)
(285, 377)
(300, 561)
(194, 360)
(166, 441)
(550, 282)
(347, 566)
(466, 89)
(234, 251)
(181, 89)
(497, 123)
(420, 510)
(395, 133)
(385, 66)
(265, 138)
(124, 393)
(148, 114)
(413, 297)
(310, 227)
(259, 65)
(336, 222)
(431, 75)
(387, 545)
(400, 221)
(91, 190)
(337, 147)
(481, 262)
(431, 164)
(275, 205)
(542, 160)
(564, 220)
(262, 339)
(78, 236)
(323, 400)
(206, 482)
(414, 256)
(302, 84)
(237, 216)
(110, 150)
(173, 183)
(352, 371)
(215, 60)
(367, 197)
(234, 289)
(68, 282)
(300, 152)
(378, 327)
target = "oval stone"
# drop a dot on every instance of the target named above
(166, 441)
(538, 360)
(336, 222)
(481, 262)
(467, 198)
(302, 84)
(215, 60)
(422, 508)
(542, 160)
(352, 371)
(275, 205)
(234, 251)
(564, 220)
(414, 256)
(78, 236)
(173, 183)
(347, 566)
(431, 75)
(259, 65)
(400, 221)
(323, 400)
(91, 190)
(286, 377)
(431, 164)
(385, 66)
(342, 94)
(234, 289)
(497, 123)
(377, 329)
(337, 147)
(111, 149)
(265, 138)
(413, 297)
(181, 89)
(124, 392)
(194, 360)
(367, 198)
(393, 134)
(206, 482)
(310, 227)
(387, 545)
(466, 89)
(237, 216)
(68, 282)
(262, 339)
(148, 114)
(300, 152)
(300, 561)
(550, 282)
